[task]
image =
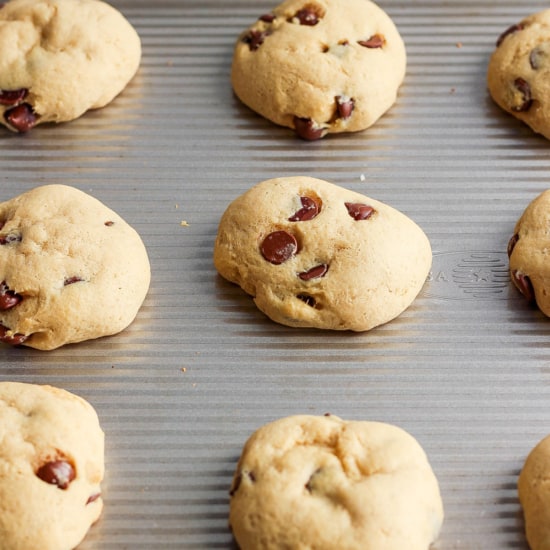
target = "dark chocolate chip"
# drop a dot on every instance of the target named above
(109, 223)
(72, 280)
(278, 247)
(526, 100)
(524, 284)
(13, 97)
(21, 117)
(308, 129)
(11, 338)
(314, 273)
(267, 18)
(375, 41)
(8, 298)
(345, 106)
(10, 238)
(255, 39)
(307, 299)
(309, 210)
(93, 498)
(306, 16)
(57, 472)
(359, 211)
(510, 30)
(512, 244)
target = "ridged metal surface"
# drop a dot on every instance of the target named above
(466, 369)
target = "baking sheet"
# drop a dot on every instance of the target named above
(465, 369)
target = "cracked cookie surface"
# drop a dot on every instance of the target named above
(319, 482)
(313, 254)
(51, 467)
(61, 58)
(319, 67)
(518, 74)
(71, 269)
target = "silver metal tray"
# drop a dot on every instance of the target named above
(466, 369)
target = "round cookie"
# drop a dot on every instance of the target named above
(529, 250)
(305, 482)
(60, 58)
(51, 467)
(319, 67)
(313, 254)
(518, 74)
(71, 269)
(534, 495)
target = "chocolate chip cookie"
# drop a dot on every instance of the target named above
(322, 482)
(534, 495)
(51, 467)
(60, 58)
(518, 75)
(319, 67)
(71, 269)
(528, 251)
(313, 254)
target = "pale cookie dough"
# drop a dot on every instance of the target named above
(313, 254)
(322, 483)
(60, 58)
(518, 75)
(534, 495)
(529, 253)
(321, 66)
(51, 467)
(71, 269)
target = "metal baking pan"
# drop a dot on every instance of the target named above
(466, 369)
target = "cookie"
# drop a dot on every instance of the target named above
(51, 467)
(534, 495)
(313, 254)
(321, 66)
(518, 74)
(71, 269)
(528, 251)
(61, 58)
(305, 482)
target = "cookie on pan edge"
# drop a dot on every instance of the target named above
(528, 252)
(322, 482)
(61, 58)
(313, 254)
(51, 467)
(518, 74)
(534, 495)
(322, 66)
(71, 269)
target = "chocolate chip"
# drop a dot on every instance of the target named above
(13, 97)
(57, 472)
(526, 100)
(538, 58)
(344, 105)
(72, 280)
(309, 210)
(278, 247)
(510, 30)
(375, 41)
(524, 284)
(307, 299)
(93, 498)
(512, 243)
(109, 223)
(359, 211)
(10, 238)
(21, 117)
(11, 338)
(308, 129)
(306, 16)
(8, 298)
(255, 39)
(314, 273)
(267, 18)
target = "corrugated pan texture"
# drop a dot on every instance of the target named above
(466, 369)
